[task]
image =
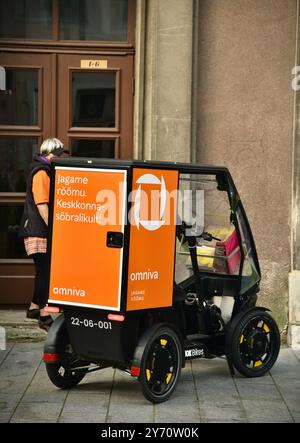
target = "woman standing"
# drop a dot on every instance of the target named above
(34, 226)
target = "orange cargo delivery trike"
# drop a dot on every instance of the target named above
(151, 264)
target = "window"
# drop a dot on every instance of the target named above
(207, 209)
(26, 19)
(16, 155)
(65, 20)
(19, 103)
(250, 273)
(11, 247)
(104, 20)
(93, 99)
(93, 148)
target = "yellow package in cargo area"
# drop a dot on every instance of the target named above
(205, 256)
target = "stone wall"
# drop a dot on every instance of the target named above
(245, 121)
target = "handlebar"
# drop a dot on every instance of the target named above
(181, 230)
(209, 237)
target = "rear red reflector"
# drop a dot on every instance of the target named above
(116, 317)
(50, 358)
(135, 371)
(52, 310)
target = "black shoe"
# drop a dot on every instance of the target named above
(45, 323)
(32, 314)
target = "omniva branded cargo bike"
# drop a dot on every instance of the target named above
(151, 264)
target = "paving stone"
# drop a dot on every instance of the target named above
(258, 392)
(256, 381)
(34, 412)
(267, 412)
(186, 372)
(99, 382)
(82, 418)
(20, 366)
(184, 390)
(219, 413)
(179, 416)
(40, 393)
(296, 417)
(235, 420)
(125, 385)
(177, 413)
(291, 397)
(9, 402)
(4, 417)
(213, 402)
(23, 360)
(125, 414)
(13, 386)
(42, 389)
(297, 354)
(219, 392)
(3, 354)
(127, 402)
(208, 369)
(77, 403)
(182, 406)
(287, 366)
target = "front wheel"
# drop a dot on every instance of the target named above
(161, 365)
(253, 343)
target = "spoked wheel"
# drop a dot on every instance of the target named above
(254, 343)
(64, 374)
(161, 365)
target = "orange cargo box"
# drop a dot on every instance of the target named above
(112, 235)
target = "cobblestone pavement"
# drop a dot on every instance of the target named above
(205, 393)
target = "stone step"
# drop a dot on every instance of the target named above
(18, 329)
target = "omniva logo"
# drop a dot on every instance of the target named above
(150, 179)
(69, 291)
(147, 275)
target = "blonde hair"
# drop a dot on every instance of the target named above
(51, 146)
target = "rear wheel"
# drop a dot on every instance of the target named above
(254, 343)
(161, 365)
(64, 374)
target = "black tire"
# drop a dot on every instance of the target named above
(253, 343)
(63, 374)
(161, 365)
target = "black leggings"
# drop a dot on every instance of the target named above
(40, 296)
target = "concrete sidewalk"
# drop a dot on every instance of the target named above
(205, 393)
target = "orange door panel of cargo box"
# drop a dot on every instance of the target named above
(152, 239)
(84, 270)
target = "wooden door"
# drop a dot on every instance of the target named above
(25, 120)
